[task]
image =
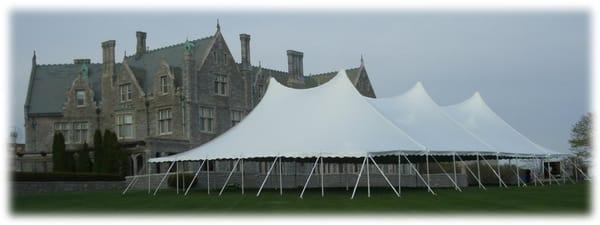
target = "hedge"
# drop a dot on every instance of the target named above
(57, 176)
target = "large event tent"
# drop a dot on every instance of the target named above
(334, 120)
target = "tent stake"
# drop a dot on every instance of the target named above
(418, 174)
(309, 176)
(229, 177)
(446, 173)
(267, 176)
(494, 171)
(471, 171)
(164, 177)
(195, 176)
(384, 176)
(358, 178)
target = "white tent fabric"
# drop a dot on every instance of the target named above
(476, 116)
(425, 121)
(331, 120)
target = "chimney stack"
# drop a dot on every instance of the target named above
(108, 57)
(141, 43)
(295, 65)
(245, 40)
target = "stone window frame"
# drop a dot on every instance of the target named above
(128, 95)
(168, 119)
(221, 84)
(80, 132)
(84, 102)
(213, 119)
(260, 90)
(164, 84)
(120, 123)
(233, 120)
(64, 128)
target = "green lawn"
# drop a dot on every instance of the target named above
(567, 198)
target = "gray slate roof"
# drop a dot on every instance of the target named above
(148, 64)
(50, 83)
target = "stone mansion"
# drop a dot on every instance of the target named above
(158, 101)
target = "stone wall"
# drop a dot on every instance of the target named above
(27, 187)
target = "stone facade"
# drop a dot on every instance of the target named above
(159, 102)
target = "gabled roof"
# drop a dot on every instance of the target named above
(310, 80)
(49, 84)
(148, 64)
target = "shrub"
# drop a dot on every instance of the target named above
(58, 176)
(185, 179)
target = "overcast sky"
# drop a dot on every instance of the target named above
(531, 67)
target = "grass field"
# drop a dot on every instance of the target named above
(567, 198)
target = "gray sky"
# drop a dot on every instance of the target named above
(531, 67)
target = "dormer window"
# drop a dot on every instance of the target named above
(125, 92)
(80, 97)
(164, 85)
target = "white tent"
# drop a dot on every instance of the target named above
(331, 120)
(417, 114)
(476, 116)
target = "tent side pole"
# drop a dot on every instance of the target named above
(164, 177)
(498, 169)
(133, 181)
(454, 166)
(368, 179)
(581, 171)
(563, 174)
(471, 172)
(418, 174)
(309, 176)
(517, 169)
(479, 172)
(194, 178)
(399, 176)
(384, 176)
(494, 171)
(177, 177)
(280, 178)
(149, 176)
(229, 177)
(267, 176)
(242, 173)
(566, 175)
(208, 176)
(322, 185)
(427, 167)
(358, 178)
(550, 176)
(446, 173)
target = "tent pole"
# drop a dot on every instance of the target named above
(228, 177)
(494, 171)
(581, 171)
(194, 178)
(537, 176)
(384, 176)
(267, 176)
(563, 175)
(358, 178)
(498, 169)
(564, 170)
(242, 173)
(399, 176)
(517, 170)
(454, 167)
(446, 173)
(149, 173)
(208, 176)
(427, 166)
(418, 174)
(177, 176)
(322, 186)
(478, 171)
(368, 180)
(552, 177)
(309, 176)
(471, 172)
(280, 178)
(164, 177)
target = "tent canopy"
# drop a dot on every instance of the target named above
(417, 114)
(331, 120)
(476, 116)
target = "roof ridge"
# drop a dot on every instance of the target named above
(326, 73)
(274, 70)
(173, 45)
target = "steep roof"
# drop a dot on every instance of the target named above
(49, 84)
(148, 64)
(310, 80)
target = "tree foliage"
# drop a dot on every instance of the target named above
(581, 132)
(84, 164)
(99, 161)
(58, 153)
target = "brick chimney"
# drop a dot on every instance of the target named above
(245, 40)
(141, 43)
(295, 66)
